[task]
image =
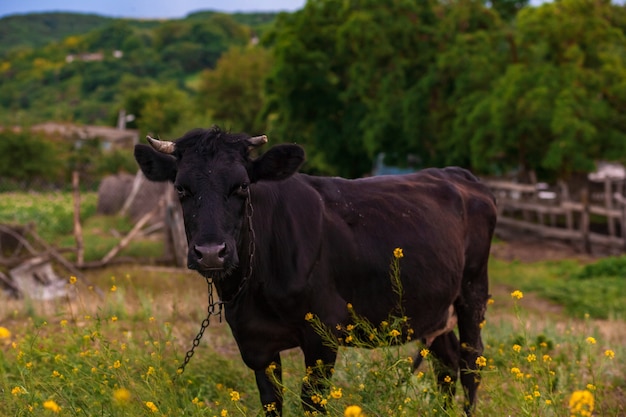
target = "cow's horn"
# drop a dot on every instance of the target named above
(257, 141)
(162, 146)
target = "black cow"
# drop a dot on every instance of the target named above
(321, 243)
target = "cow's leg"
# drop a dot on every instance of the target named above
(445, 350)
(446, 354)
(269, 383)
(319, 364)
(471, 314)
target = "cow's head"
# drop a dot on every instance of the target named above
(211, 171)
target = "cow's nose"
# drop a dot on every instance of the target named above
(212, 256)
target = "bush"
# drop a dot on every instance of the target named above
(605, 267)
(26, 157)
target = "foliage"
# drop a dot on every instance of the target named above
(36, 30)
(232, 93)
(498, 87)
(85, 77)
(158, 108)
(495, 89)
(26, 157)
(612, 266)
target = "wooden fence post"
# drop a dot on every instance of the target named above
(584, 221)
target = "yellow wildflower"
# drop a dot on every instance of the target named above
(150, 405)
(234, 396)
(394, 333)
(121, 395)
(4, 333)
(447, 379)
(353, 411)
(481, 361)
(73, 280)
(591, 340)
(336, 393)
(609, 353)
(18, 391)
(52, 406)
(308, 316)
(581, 403)
(113, 288)
(531, 358)
(517, 348)
(224, 413)
(117, 364)
(397, 253)
(517, 294)
(424, 352)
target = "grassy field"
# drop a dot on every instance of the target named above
(118, 354)
(113, 348)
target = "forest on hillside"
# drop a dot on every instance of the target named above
(495, 86)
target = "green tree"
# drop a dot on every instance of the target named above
(561, 106)
(232, 94)
(341, 70)
(26, 157)
(158, 108)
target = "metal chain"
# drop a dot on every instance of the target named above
(219, 304)
(205, 323)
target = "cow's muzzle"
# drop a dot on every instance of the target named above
(210, 257)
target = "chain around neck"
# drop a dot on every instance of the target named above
(215, 308)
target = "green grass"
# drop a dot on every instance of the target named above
(118, 354)
(53, 213)
(597, 290)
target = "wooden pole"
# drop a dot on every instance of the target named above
(584, 222)
(78, 230)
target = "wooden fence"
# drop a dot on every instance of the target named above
(594, 219)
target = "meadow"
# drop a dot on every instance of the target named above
(113, 347)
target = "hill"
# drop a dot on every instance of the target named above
(81, 68)
(38, 29)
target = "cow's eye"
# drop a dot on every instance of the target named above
(180, 190)
(240, 190)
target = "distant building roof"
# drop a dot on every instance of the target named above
(608, 170)
(109, 134)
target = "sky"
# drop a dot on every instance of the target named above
(145, 9)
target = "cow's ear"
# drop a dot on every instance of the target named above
(278, 163)
(155, 165)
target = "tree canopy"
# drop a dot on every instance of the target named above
(496, 86)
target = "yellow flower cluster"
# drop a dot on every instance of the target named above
(52, 406)
(581, 403)
(4, 333)
(150, 406)
(517, 294)
(353, 411)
